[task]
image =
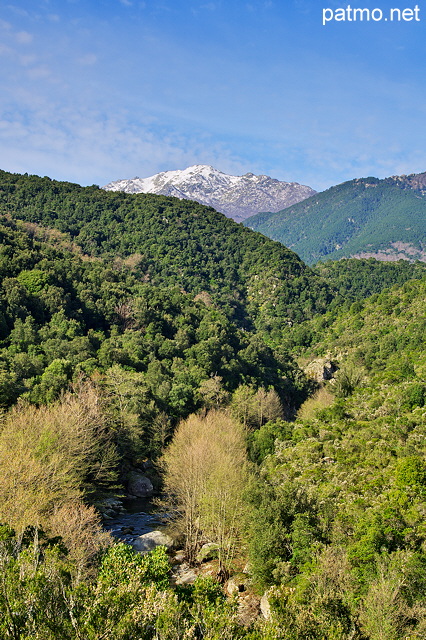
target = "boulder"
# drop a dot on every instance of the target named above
(148, 541)
(208, 551)
(139, 485)
(321, 369)
(183, 574)
(235, 585)
(265, 606)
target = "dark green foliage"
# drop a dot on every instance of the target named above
(360, 216)
(177, 242)
(150, 349)
(352, 280)
(285, 528)
(416, 396)
(262, 440)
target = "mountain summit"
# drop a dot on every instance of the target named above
(238, 197)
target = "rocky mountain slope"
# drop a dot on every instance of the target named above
(238, 197)
(367, 217)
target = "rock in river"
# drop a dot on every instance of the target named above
(139, 485)
(149, 541)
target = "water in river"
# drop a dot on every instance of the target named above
(140, 517)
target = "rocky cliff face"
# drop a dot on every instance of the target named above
(416, 181)
(238, 197)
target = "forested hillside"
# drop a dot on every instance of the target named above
(362, 217)
(340, 516)
(354, 279)
(173, 242)
(281, 409)
(64, 318)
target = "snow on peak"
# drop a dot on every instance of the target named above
(236, 196)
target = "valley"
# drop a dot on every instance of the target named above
(278, 408)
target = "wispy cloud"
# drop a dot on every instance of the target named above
(23, 37)
(88, 59)
(39, 73)
(87, 146)
(210, 6)
(97, 91)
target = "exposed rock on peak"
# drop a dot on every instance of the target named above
(238, 197)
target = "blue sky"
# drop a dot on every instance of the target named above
(96, 91)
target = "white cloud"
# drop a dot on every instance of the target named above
(4, 50)
(23, 37)
(23, 13)
(87, 146)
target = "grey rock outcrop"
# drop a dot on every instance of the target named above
(238, 197)
(148, 541)
(321, 369)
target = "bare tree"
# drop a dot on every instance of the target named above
(53, 455)
(205, 476)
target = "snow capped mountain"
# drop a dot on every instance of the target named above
(238, 197)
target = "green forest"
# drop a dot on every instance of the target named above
(361, 216)
(279, 407)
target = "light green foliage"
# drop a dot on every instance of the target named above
(123, 565)
(253, 407)
(205, 477)
(53, 455)
(411, 474)
(34, 281)
(183, 318)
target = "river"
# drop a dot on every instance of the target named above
(140, 517)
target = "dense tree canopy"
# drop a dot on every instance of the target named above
(131, 326)
(361, 216)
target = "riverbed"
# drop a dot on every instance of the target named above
(140, 517)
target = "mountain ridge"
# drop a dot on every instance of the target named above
(237, 197)
(364, 217)
(180, 242)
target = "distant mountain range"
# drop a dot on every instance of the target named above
(368, 217)
(238, 197)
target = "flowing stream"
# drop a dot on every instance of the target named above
(140, 517)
